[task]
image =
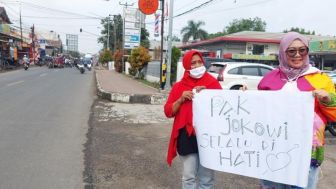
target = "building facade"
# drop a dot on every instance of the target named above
(72, 42)
(248, 46)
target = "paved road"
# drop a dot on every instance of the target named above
(44, 119)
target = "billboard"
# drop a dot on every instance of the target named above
(132, 29)
(322, 46)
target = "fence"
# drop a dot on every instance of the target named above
(152, 71)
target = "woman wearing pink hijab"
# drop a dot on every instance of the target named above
(296, 74)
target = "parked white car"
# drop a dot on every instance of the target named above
(233, 75)
(333, 77)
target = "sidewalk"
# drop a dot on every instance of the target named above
(117, 87)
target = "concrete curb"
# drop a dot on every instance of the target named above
(129, 98)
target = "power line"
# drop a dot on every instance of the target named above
(195, 8)
(39, 7)
(46, 17)
(212, 12)
(190, 10)
(185, 5)
(57, 10)
(242, 6)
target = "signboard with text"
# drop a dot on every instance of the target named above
(322, 46)
(132, 28)
(250, 133)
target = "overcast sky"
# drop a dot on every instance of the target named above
(68, 16)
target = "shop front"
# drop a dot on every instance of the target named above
(323, 54)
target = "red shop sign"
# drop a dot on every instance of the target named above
(148, 6)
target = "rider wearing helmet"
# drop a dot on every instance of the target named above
(25, 59)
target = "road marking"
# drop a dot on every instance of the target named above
(44, 74)
(14, 83)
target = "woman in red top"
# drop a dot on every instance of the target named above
(179, 106)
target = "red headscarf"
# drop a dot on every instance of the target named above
(183, 117)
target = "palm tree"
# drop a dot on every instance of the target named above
(193, 30)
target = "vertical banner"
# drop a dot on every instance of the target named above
(260, 134)
(157, 24)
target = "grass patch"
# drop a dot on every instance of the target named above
(151, 84)
(148, 83)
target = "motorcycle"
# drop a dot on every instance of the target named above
(88, 66)
(26, 66)
(25, 63)
(81, 68)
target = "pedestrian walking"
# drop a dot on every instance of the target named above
(179, 105)
(296, 74)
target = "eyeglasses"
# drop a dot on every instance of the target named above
(197, 62)
(303, 51)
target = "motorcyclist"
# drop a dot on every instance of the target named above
(25, 60)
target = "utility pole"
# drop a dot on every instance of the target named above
(171, 7)
(21, 25)
(162, 38)
(114, 34)
(33, 42)
(123, 40)
(126, 5)
(108, 33)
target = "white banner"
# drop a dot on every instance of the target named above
(260, 134)
(132, 25)
(131, 15)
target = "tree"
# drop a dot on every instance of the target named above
(115, 31)
(193, 30)
(176, 54)
(300, 30)
(105, 56)
(175, 38)
(118, 54)
(255, 24)
(218, 34)
(138, 59)
(144, 38)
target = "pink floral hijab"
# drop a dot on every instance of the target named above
(292, 73)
